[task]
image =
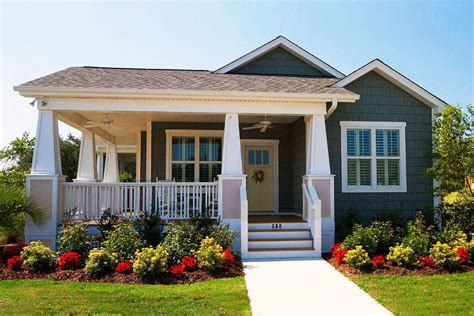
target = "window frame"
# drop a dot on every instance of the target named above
(373, 126)
(197, 134)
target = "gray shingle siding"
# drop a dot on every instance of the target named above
(280, 62)
(380, 100)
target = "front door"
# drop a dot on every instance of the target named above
(258, 165)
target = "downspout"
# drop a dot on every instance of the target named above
(332, 108)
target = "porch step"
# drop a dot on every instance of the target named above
(266, 253)
(280, 243)
(279, 233)
(277, 225)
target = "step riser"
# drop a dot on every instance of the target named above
(277, 226)
(281, 254)
(279, 234)
(273, 244)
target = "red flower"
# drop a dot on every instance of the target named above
(189, 263)
(14, 263)
(379, 261)
(13, 250)
(124, 267)
(228, 257)
(69, 261)
(463, 255)
(177, 269)
(338, 253)
(427, 261)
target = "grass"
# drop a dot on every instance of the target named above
(215, 297)
(451, 294)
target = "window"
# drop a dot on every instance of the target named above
(373, 156)
(258, 157)
(194, 156)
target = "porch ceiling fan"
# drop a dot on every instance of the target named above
(107, 122)
(263, 126)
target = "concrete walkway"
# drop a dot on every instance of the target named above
(305, 287)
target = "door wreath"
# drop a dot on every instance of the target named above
(258, 176)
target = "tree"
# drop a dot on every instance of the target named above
(453, 159)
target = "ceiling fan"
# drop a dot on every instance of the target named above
(263, 126)
(107, 122)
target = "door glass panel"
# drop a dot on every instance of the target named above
(265, 157)
(258, 157)
(251, 157)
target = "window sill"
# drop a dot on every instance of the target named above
(365, 189)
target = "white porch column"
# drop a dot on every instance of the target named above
(43, 184)
(87, 168)
(111, 172)
(100, 166)
(230, 182)
(318, 175)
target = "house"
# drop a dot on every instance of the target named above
(277, 143)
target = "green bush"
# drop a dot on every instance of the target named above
(346, 224)
(444, 255)
(203, 224)
(401, 256)
(123, 241)
(38, 257)
(149, 262)
(106, 223)
(419, 236)
(223, 235)
(210, 255)
(74, 238)
(358, 258)
(150, 227)
(457, 210)
(180, 241)
(99, 261)
(375, 239)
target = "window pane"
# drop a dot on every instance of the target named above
(387, 142)
(266, 157)
(208, 171)
(388, 172)
(358, 172)
(358, 142)
(210, 149)
(258, 157)
(182, 172)
(251, 157)
(183, 149)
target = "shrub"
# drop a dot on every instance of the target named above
(358, 258)
(99, 261)
(346, 224)
(124, 267)
(123, 241)
(338, 253)
(37, 257)
(74, 238)
(14, 263)
(69, 261)
(150, 261)
(379, 261)
(229, 258)
(401, 255)
(210, 255)
(375, 239)
(452, 235)
(419, 236)
(223, 235)
(462, 254)
(426, 261)
(189, 263)
(457, 210)
(177, 269)
(180, 241)
(150, 228)
(12, 250)
(203, 224)
(106, 223)
(444, 255)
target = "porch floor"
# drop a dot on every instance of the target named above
(260, 219)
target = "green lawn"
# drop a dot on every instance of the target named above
(422, 295)
(216, 297)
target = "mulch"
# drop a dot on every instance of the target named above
(395, 270)
(228, 271)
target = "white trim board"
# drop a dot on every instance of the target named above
(283, 42)
(396, 78)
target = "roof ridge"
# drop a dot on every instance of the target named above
(138, 68)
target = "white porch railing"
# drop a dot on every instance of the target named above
(312, 212)
(173, 200)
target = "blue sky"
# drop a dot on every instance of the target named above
(431, 42)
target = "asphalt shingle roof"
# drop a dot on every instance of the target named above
(197, 80)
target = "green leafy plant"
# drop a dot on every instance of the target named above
(38, 257)
(203, 223)
(149, 262)
(223, 235)
(150, 227)
(358, 258)
(123, 241)
(99, 261)
(126, 177)
(346, 224)
(180, 241)
(375, 239)
(419, 236)
(210, 255)
(402, 256)
(74, 237)
(444, 255)
(457, 210)
(106, 223)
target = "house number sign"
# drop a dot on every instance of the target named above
(276, 226)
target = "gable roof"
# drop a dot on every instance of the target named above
(120, 80)
(281, 41)
(396, 78)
